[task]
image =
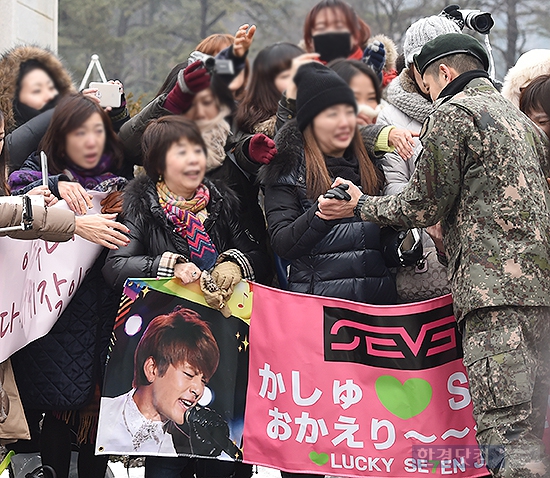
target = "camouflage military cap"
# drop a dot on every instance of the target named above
(450, 44)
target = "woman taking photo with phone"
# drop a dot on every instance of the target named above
(54, 225)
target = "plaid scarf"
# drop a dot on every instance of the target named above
(188, 217)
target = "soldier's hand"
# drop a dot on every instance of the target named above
(330, 209)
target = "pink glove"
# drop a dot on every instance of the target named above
(261, 148)
(193, 79)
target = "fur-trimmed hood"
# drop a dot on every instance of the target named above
(288, 165)
(289, 161)
(10, 64)
(140, 198)
(529, 65)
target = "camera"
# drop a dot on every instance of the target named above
(481, 22)
(221, 67)
(477, 20)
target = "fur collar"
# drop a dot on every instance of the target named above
(288, 165)
(289, 160)
(10, 63)
(140, 199)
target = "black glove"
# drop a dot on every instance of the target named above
(452, 12)
(339, 192)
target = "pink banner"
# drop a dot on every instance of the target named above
(347, 389)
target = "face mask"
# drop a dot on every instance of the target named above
(332, 45)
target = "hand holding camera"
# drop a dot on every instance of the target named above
(481, 22)
(194, 78)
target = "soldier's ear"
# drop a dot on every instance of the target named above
(445, 72)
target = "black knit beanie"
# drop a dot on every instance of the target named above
(318, 89)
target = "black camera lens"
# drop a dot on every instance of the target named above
(480, 22)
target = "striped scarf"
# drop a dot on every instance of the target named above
(188, 217)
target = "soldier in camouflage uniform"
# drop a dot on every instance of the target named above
(482, 173)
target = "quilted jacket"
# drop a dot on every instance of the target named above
(60, 370)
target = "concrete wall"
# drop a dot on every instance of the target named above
(28, 21)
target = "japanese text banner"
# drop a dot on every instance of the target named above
(347, 389)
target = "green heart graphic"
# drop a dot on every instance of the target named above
(403, 400)
(318, 458)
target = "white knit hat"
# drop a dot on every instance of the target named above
(424, 30)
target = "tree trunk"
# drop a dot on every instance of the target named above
(204, 21)
(512, 33)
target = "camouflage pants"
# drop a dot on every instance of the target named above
(507, 355)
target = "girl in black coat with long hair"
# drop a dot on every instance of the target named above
(329, 258)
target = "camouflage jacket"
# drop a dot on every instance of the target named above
(482, 173)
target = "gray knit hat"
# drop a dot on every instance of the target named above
(424, 30)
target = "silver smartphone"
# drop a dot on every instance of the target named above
(108, 94)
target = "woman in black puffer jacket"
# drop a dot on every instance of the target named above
(341, 259)
(156, 248)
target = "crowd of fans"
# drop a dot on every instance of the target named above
(335, 167)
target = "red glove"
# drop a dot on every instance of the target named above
(261, 148)
(193, 79)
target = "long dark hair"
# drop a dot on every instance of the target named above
(261, 97)
(318, 179)
(347, 69)
(71, 113)
(4, 160)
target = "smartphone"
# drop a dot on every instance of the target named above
(108, 94)
(411, 241)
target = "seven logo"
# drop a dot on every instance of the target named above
(393, 342)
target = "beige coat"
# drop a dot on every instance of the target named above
(50, 224)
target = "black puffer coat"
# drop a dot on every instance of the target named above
(61, 370)
(152, 234)
(329, 258)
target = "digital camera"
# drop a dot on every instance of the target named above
(481, 22)
(221, 67)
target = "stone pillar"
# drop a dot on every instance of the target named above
(28, 22)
